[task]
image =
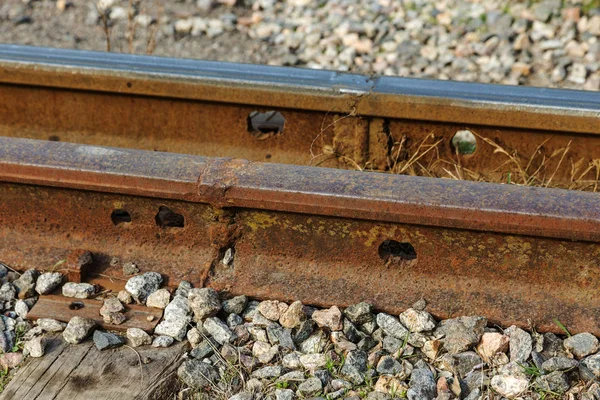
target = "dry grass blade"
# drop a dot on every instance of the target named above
(562, 157)
(105, 26)
(131, 26)
(153, 30)
(140, 362)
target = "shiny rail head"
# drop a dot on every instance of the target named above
(223, 182)
(303, 89)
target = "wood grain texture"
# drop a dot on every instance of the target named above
(78, 372)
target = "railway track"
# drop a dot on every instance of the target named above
(126, 156)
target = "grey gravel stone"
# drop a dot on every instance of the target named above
(355, 366)
(351, 332)
(291, 361)
(422, 385)
(387, 365)
(235, 305)
(162, 341)
(310, 386)
(107, 340)
(559, 364)
(391, 326)
(359, 313)
(286, 341)
(250, 311)
(242, 396)
(48, 282)
(204, 349)
(304, 331)
(313, 362)
(284, 394)
(593, 364)
(459, 334)
(268, 372)
(204, 303)
(197, 374)
(314, 344)
(178, 308)
(520, 344)
(7, 292)
(465, 362)
(78, 290)
(25, 285)
(144, 285)
(274, 332)
(555, 382)
(581, 344)
(234, 320)
(218, 330)
(183, 289)
(392, 345)
(553, 346)
(78, 329)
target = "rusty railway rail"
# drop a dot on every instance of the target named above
(203, 108)
(320, 235)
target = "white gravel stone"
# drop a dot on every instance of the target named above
(138, 337)
(78, 290)
(142, 286)
(417, 321)
(313, 362)
(291, 361)
(510, 386)
(218, 330)
(35, 347)
(162, 341)
(194, 337)
(48, 282)
(21, 309)
(51, 325)
(159, 299)
(176, 328)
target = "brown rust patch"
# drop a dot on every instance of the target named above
(336, 261)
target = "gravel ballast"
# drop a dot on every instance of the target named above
(241, 348)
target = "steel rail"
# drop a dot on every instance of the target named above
(203, 108)
(320, 235)
(317, 90)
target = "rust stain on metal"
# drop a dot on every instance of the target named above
(64, 308)
(507, 278)
(313, 234)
